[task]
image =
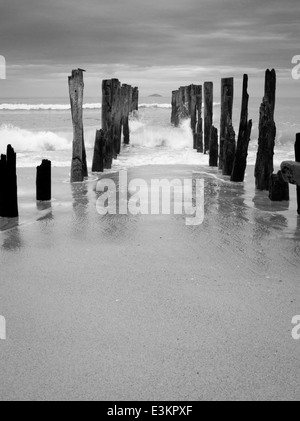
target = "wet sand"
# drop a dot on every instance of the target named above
(144, 307)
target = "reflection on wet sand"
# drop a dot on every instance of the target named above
(11, 233)
(46, 208)
(80, 206)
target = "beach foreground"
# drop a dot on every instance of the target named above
(145, 307)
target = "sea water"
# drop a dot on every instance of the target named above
(41, 128)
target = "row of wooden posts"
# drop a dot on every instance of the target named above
(224, 151)
(118, 102)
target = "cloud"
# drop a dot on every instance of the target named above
(212, 34)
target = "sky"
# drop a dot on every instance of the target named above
(156, 45)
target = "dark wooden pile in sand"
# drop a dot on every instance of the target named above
(118, 102)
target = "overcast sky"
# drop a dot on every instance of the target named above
(157, 45)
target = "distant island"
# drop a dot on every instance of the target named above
(156, 96)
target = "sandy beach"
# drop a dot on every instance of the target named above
(144, 307)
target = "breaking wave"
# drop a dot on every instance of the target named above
(64, 107)
(28, 141)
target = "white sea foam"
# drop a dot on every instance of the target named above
(28, 141)
(44, 107)
(157, 136)
(64, 107)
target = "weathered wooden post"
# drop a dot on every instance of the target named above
(184, 103)
(208, 113)
(79, 165)
(229, 148)
(198, 136)
(175, 117)
(192, 94)
(135, 99)
(227, 92)
(111, 100)
(8, 185)
(264, 166)
(98, 158)
(291, 172)
(174, 107)
(117, 116)
(297, 159)
(240, 160)
(43, 181)
(213, 147)
(279, 189)
(126, 92)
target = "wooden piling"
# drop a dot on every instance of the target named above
(79, 164)
(198, 136)
(279, 188)
(135, 99)
(8, 185)
(184, 103)
(175, 108)
(192, 93)
(98, 158)
(208, 113)
(297, 158)
(291, 172)
(43, 181)
(229, 148)
(117, 117)
(240, 160)
(213, 147)
(264, 166)
(112, 114)
(126, 93)
(227, 92)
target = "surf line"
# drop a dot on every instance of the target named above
(210, 175)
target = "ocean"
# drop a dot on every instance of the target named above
(41, 128)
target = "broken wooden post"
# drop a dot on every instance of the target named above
(264, 166)
(297, 159)
(175, 108)
(229, 148)
(79, 165)
(43, 181)
(8, 185)
(126, 93)
(192, 96)
(184, 103)
(135, 99)
(117, 117)
(291, 172)
(98, 158)
(213, 147)
(240, 160)
(208, 113)
(227, 92)
(279, 188)
(108, 87)
(198, 136)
